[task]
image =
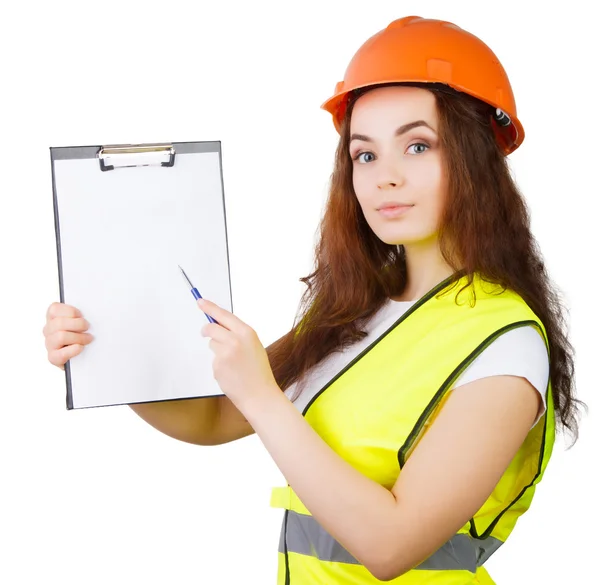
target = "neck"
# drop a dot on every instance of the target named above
(425, 269)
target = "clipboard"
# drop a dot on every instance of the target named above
(125, 218)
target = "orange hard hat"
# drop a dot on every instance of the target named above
(425, 51)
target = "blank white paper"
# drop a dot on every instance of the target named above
(123, 234)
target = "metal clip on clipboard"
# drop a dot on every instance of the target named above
(136, 155)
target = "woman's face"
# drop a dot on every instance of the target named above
(395, 162)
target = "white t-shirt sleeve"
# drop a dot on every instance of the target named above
(518, 352)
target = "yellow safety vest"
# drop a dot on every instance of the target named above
(373, 412)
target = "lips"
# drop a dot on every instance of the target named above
(393, 205)
(395, 211)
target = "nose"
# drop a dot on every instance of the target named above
(390, 175)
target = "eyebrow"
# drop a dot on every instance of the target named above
(399, 131)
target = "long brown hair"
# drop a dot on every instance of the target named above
(484, 228)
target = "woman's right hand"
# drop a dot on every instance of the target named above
(65, 333)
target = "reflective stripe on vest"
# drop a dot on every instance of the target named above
(306, 536)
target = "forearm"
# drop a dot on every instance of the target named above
(349, 506)
(191, 420)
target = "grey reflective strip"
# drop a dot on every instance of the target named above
(486, 548)
(306, 537)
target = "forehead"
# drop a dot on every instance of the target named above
(393, 105)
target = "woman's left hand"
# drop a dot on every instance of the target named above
(241, 365)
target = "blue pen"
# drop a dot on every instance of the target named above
(195, 292)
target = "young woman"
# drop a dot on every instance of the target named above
(412, 407)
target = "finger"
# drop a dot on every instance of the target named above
(61, 339)
(224, 317)
(62, 310)
(60, 357)
(77, 324)
(216, 332)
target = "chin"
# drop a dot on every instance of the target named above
(396, 239)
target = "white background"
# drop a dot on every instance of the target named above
(99, 496)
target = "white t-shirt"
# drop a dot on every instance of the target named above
(518, 352)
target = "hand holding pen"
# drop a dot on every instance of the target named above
(195, 292)
(241, 364)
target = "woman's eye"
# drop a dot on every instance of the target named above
(357, 157)
(419, 144)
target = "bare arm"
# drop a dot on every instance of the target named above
(201, 421)
(191, 420)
